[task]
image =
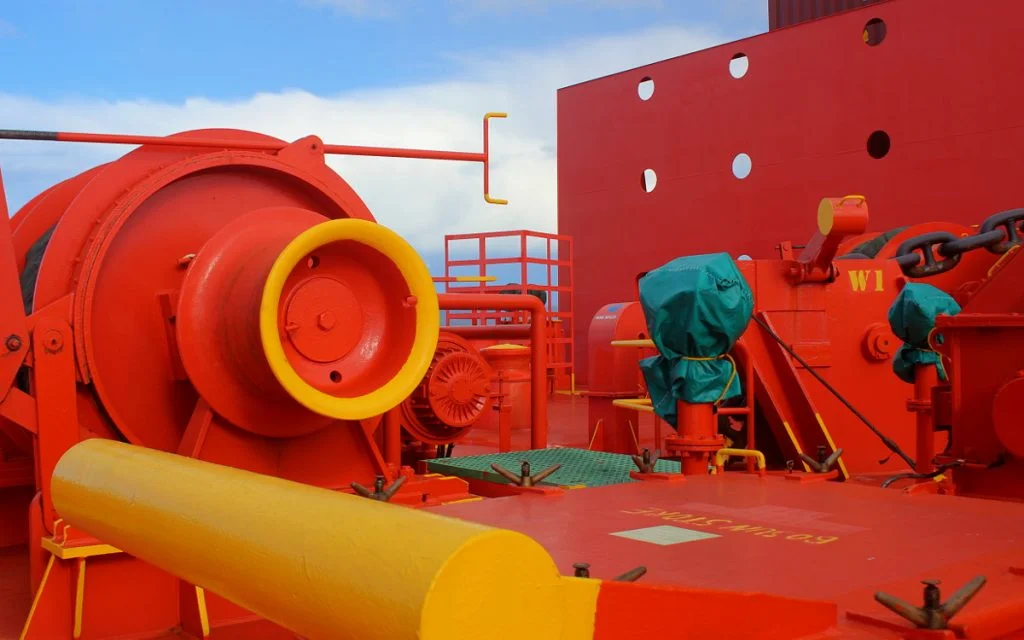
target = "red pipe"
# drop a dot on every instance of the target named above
(250, 145)
(538, 351)
(393, 438)
(491, 332)
(697, 437)
(925, 377)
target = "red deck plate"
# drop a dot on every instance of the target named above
(817, 541)
(940, 85)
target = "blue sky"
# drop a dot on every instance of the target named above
(229, 49)
(392, 72)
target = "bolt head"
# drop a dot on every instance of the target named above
(13, 343)
(325, 321)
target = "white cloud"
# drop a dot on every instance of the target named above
(423, 200)
(7, 30)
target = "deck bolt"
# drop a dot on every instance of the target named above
(13, 343)
(379, 492)
(581, 570)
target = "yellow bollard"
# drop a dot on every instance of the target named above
(320, 563)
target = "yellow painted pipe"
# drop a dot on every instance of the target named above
(722, 454)
(636, 404)
(321, 563)
(633, 343)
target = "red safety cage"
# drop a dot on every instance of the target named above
(467, 260)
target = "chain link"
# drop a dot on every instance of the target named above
(930, 254)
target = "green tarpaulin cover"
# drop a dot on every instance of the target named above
(695, 307)
(912, 317)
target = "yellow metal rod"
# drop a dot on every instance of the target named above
(633, 343)
(321, 563)
(634, 403)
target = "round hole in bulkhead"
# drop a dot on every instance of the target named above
(313, 262)
(879, 144)
(335, 377)
(874, 32)
(648, 180)
(645, 88)
(738, 65)
(743, 258)
(742, 165)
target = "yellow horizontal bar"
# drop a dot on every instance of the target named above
(321, 563)
(632, 404)
(633, 343)
(84, 551)
(475, 278)
(722, 454)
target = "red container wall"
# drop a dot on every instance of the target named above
(785, 13)
(804, 111)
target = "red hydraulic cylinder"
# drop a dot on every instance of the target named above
(538, 352)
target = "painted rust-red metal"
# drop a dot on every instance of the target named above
(179, 215)
(538, 336)
(861, 539)
(513, 385)
(806, 112)
(785, 13)
(614, 375)
(469, 254)
(454, 395)
(141, 325)
(983, 349)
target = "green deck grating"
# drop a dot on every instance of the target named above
(579, 466)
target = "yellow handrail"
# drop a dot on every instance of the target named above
(633, 343)
(722, 454)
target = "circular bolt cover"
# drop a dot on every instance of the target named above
(880, 342)
(311, 319)
(13, 343)
(53, 341)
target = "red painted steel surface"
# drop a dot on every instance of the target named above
(512, 384)
(785, 13)
(538, 335)
(821, 540)
(145, 327)
(614, 374)
(804, 111)
(983, 349)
